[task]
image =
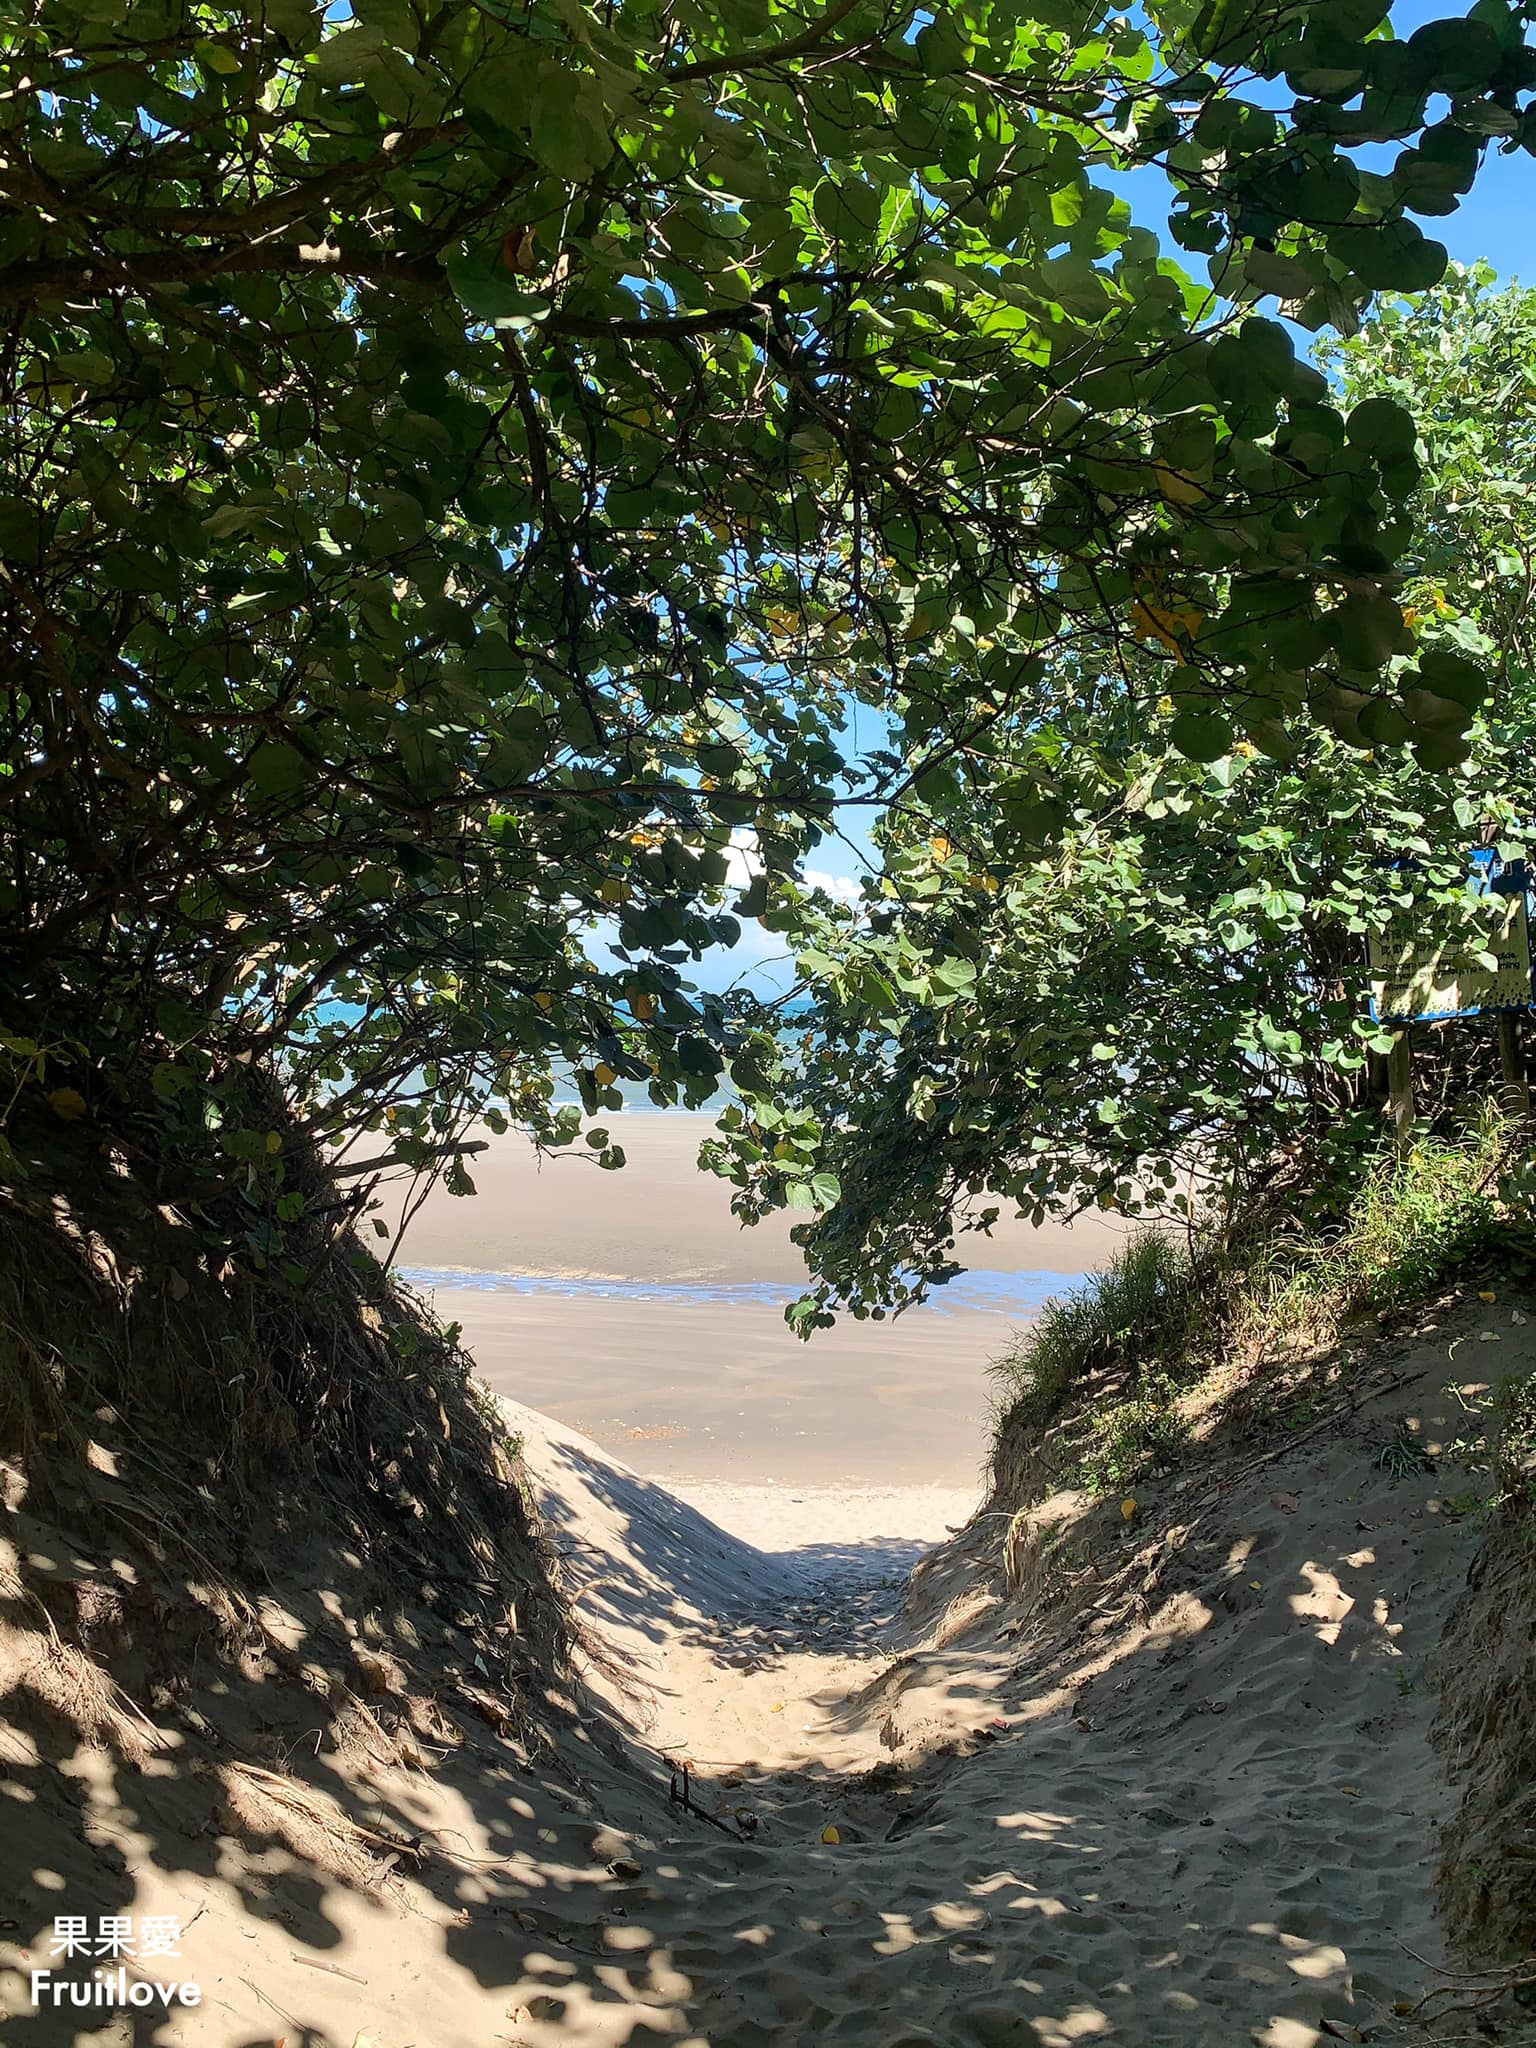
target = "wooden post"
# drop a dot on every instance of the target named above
(1516, 1091)
(1376, 1079)
(1400, 1089)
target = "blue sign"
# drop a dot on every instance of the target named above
(1429, 966)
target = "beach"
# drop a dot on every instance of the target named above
(634, 1307)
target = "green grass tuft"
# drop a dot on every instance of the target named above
(1141, 1299)
(1101, 1376)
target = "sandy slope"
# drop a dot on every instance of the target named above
(1192, 1808)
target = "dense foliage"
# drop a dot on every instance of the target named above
(460, 465)
(1159, 988)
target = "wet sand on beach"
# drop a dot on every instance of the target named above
(694, 1374)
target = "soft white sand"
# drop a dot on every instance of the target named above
(1193, 1807)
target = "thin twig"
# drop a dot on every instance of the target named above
(332, 1969)
(282, 2015)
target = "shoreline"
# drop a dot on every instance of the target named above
(700, 1393)
(1018, 1293)
(634, 1308)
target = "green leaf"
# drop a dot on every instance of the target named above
(216, 57)
(21, 532)
(1382, 428)
(1390, 255)
(1200, 736)
(278, 770)
(347, 57)
(1454, 677)
(1438, 751)
(488, 289)
(940, 47)
(570, 132)
(398, 523)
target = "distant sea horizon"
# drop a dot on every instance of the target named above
(1022, 1292)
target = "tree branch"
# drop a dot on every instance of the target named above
(450, 1151)
(767, 53)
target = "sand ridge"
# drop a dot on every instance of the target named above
(1191, 1806)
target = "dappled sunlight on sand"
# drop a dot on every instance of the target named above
(1189, 1806)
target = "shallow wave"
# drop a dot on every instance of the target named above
(980, 1289)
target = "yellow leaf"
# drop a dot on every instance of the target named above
(1178, 488)
(274, 1141)
(612, 891)
(643, 1006)
(603, 1074)
(1167, 623)
(1257, 1585)
(942, 848)
(68, 1103)
(1486, 1294)
(830, 1834)
(1128, 1507)
(777, 1707)
(544, 1000)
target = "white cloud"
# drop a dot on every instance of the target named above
(746, 862)
(843, 887)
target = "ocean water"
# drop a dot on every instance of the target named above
(1016, 1294)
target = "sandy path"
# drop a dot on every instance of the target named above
(1195, 1811)
(1190, 1822)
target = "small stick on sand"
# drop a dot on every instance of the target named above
(288, 2016)
(334, 1969)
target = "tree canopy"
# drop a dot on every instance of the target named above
(461, 466)
(1160, 989)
